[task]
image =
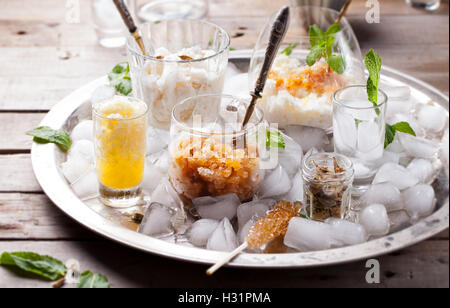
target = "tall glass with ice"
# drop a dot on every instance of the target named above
(359, 131)
(120, 128)
(210, 153)
(184, 58)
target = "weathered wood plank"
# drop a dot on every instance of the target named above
(17, 174)
(34, 216)
(13, 129)
(423, 265)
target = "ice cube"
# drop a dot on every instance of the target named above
(80, 160)
(223, 238)
(296, 192)
(102, 93)
(344, 133)
(83, 131)
(158, 220)
(421, 169)
(290, 158)
(276, 183)
(87, 186)
(217, 207)
(432, 118)
(201, 230)
(256, 208)
(369, 137)
(152, 178)
(375, 220)
(361, 170)
(395, 107)
(166, 195)
(395, 174)
(384, 193)
(346, 233)
(308, 137)
(418, 147)
(243, 231)
(391, 157)
(157, 140)
(303, 234)
(419, 201)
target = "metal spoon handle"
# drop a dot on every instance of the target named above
(277, 34)
(129, 22)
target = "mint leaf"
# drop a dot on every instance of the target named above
(336, 63)
(404, 127)
(373, 64)
(288, 50)
(389, 135)
(120, 79)
(391, 130)
(314, 55)
(88, 280)
(45, 134)
(274, 139)
(43, 266)
(333, 29)
(315, 35)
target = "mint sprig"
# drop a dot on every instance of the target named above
(373, 64)
(120, 78)
(391, 130)
(322, 47)
(45, 134)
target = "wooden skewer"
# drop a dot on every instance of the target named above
(227, 259)
(343, 11)
(129, 22)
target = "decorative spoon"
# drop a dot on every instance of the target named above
(129, 22)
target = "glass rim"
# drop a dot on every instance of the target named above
(146, 57)
(308, 172)
(194, 131)
(341, 102)
(97, 113)
(344, 23)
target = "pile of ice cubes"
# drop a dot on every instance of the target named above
(401, 192)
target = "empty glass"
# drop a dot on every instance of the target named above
(359, 131)
(109, 27)
(120, 129)
(185, 58)
(157, 10)
(429, 5)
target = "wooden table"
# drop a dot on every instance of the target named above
(43, 59)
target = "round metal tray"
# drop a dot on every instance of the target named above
(66, 114)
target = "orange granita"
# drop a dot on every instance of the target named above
(204, 166)
(319, 79)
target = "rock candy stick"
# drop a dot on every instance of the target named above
(266, 229)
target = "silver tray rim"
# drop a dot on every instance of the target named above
(46, 169)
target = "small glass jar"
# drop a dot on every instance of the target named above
(327, 180)
(120, 130)
(210, 153)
